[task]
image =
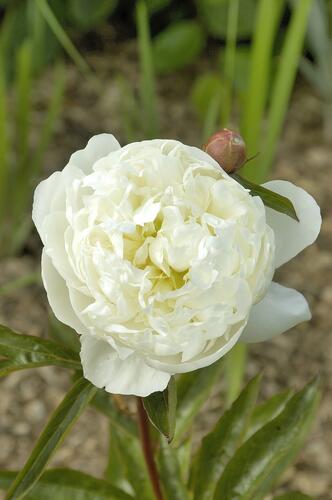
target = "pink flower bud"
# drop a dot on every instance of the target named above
(228, 149)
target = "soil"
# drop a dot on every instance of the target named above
(304, 157)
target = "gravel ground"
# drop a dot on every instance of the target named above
(27, 398)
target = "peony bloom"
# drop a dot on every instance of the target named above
(162, 262)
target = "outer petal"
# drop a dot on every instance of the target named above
(281, 309)
(49, 195)
(97, 147)
(58, 295)
(131, 376)
(292, 236)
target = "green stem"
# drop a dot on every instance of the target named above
(144, 428)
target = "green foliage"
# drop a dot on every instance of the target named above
(133, 463)
(270, 198)
(161, 409)
(282, 87)
(214, 14)
(267, 411)
(193, 389)
(19, 352)
(54, 433)
(170, 473)
(147, 84)
(178, 45)
(257, 464)
(87, 14)
(20, 163)
(103, 403)
(218, 446)
(67, 484)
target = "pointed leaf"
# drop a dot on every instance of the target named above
(184, 453)
(219, 446)
(269, 198)
(133, 461)
(170, 473)
(161, 408)
(267, 411)
(67, 484)
(193, 389)
(115, 470)
(52, 436)
(26, 351)
(262, 458)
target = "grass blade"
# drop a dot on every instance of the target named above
(147, 87)
(267, 23)
(289, 60)
(62, 37)
(230, 54)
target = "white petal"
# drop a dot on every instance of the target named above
(58, 295)
(131, 376)
(292, 236)
(200, 362)
(42, 199)
(281, 309)
(49, 195)
(97, 147)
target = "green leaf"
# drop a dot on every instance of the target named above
(67, 484)
(220, 444)
(115, 470)
(161, 408)
(87, 14)
(52, 436)
(193, 389)
(25, 351)
(214, 14)
(269, 198)
(267, 411)
(184, 453)
(257, 464)
(170, 473)
(177, 46)
(132, 459)
(235, 365)
(103, 402)
(293, 495)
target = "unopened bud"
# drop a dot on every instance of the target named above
(228, 149)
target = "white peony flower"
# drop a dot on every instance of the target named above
(162, 262)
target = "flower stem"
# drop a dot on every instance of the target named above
(143, 424)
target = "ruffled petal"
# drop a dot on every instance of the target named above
(201, 361)
(58, 295)
(281, 309)
(131, 376)
(98, 147)
(291, 236)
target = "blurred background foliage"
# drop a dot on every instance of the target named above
(255, 50)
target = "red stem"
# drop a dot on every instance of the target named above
(143, 423)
